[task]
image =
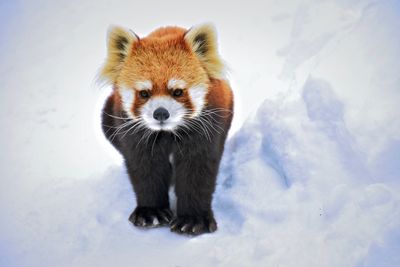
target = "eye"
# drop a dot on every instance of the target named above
(144, 94)
(177, 92)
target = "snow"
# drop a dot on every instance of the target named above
(310, 174)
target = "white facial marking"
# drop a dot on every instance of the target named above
(176, 84)
(198, 95)
(175, 109)
(143, 85)
(127, 98)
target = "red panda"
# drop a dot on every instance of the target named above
(168, 115)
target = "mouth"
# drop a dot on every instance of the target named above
(162, 126)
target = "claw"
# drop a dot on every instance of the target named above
(165, 218)
(174, 224)
(186, 227)
(140, 221)
(155, 221)
(212, 227)
(197, 229)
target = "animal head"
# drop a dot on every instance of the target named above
(163, 78)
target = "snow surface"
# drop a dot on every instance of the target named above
(310, 175)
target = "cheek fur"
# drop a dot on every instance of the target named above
(139, 104)
(127, 101)
(198, 97)
(186, 101)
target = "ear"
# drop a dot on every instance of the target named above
(119, 45)
(203, 41)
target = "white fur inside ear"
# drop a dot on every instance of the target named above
(198, 96)
(127, 99)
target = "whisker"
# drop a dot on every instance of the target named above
(116, 117)
(136, 125)
(118, 129)
(189, 124)
(152, 147)
(148, 137)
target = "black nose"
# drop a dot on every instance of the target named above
(161, 114)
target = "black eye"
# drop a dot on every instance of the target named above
(144, 94)
(178, 92)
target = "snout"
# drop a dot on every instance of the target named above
(161, 114)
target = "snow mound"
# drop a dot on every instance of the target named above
(295, 180)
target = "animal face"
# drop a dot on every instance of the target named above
(162, 83)
(163, 79)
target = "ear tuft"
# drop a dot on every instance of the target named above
(119, 45)
(203, 41)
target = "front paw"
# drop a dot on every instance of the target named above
(150, 217)
(193, 225)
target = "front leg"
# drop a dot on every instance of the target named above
(150, 173)
(196, 168)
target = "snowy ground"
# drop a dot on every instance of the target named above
(310, 176)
